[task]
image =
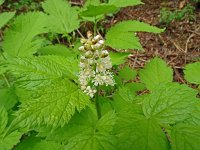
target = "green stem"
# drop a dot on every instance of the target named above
(95, 27)
(98, 108)
(6, 80)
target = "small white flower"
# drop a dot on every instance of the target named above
(101, 42)
(81, 48)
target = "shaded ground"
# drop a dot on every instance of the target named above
(180, 44)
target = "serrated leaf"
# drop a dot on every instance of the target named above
(106, 122)
(92, 141)
(41, 71)
(103, 9)
(155, 72)
(91, 2)
(58, 49)
(3, 118)
(57, 103)
(127, 73)
(170, 103)
(5, 17)
(137, 132)
(62, 17)
(33, 143)
(9, 141)
(118, 58)
(124, 3)
(115, 35)
(25, 29)
(194, 118)
(192, 73)
(125, 100)
(135, 86)
(185, 137)
(8, 98)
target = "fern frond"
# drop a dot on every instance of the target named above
(20, 40)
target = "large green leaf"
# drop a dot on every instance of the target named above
(54, 105)
(156, 72)
(185, 137)
(5, 17)
(3, 118)
(8, 98)
(118, 58)
(124, 3)
(137, 132)
(41, 71)
(99, 138)
(93, 11)
(127, 73)
(34, 143)
(62, 17)
(9, 141)
(20, 40)
(115, 35)
(170, 103)
(192, 73)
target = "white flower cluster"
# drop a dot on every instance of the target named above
(95, 65)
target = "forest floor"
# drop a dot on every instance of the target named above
(178, 45)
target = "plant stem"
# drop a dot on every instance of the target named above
(95, 27)
(98, 108)
(6, 80)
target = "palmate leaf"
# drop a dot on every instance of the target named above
(124, 3)
(23, 34)
(35, 143)
(156, 72)
(136, 132)
(170, 103)
(121, 36)
(96, 135)
(118, 58)
(93, 11)
(54, 105)
(41, 71)
(63, 18)
(127, 73)
(7, 142)
(185, 137)
(5, 17)
(192, 73)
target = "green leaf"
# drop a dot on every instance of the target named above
(91, 2)
(135, 86)
(54, 105)
(185, 137)
(8, 98)
(124, 3)
(115, 35)
(118, 58)
(170, 103)
(93, 11)
(1, 2)
(137, 132)
(127, 73)
(107, 122)
(25, 29)
(41, 71)
(192, 73)
(5, 17)
(3, 118)
(9, 141)
(92, 141)
(58, 49)
(63, 18)
(33, 143)
(125, 100)
(156, 72)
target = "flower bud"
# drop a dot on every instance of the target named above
(101, 42)
(81, 48)
(97, 38)
(89, 54)
(83, 41)
(87, 46)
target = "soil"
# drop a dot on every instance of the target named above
(178, 45)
